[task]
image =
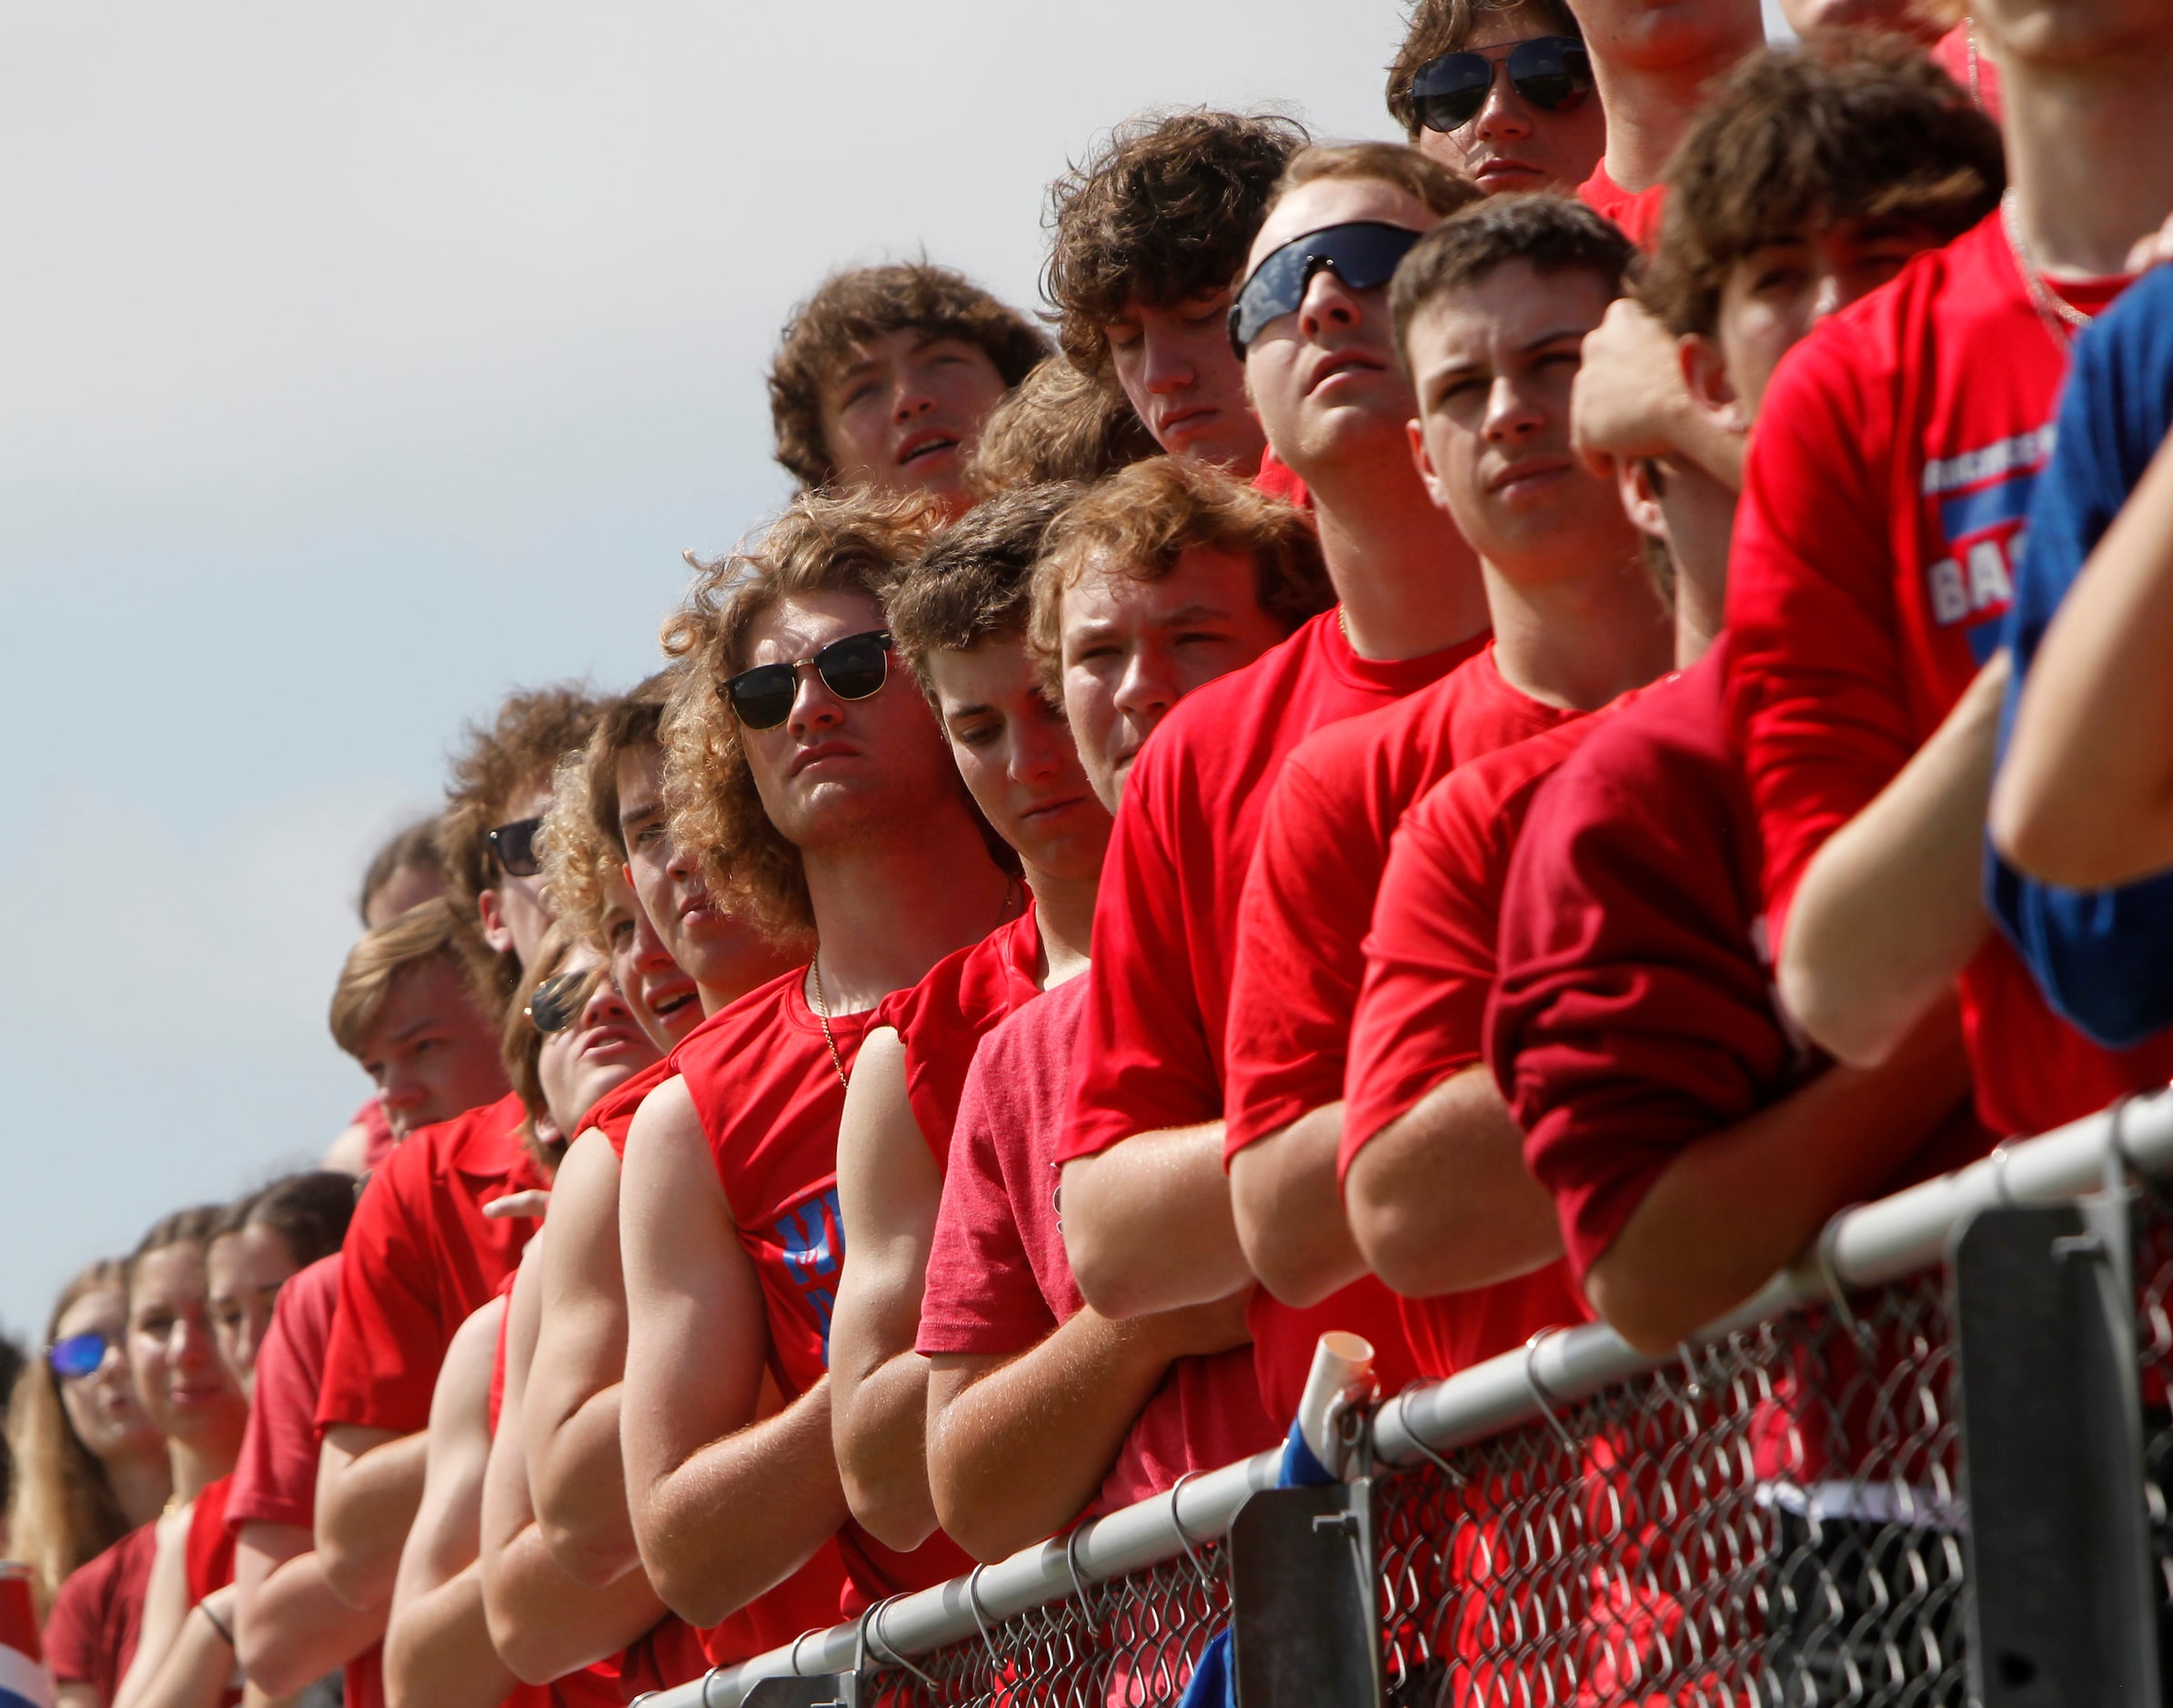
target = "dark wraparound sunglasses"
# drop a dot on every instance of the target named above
(79, 1356)
(558, 1002)
(1363, 255)
(514, 845)
(851, 668)
(1554, 72)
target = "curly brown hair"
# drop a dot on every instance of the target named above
(975, 581)
(1443, 27)
(581, 844)
(852, 542)
(1057, 424)
(849, 308)
(519, 750)
(1166, 210)
(1850, 124)
(1142, 519)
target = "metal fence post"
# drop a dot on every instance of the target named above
(2063, 1609)
(1306, 1598)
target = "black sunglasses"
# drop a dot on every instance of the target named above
(514, 845)
(1554, 72)
(1363, 255)
(558, 1001)
(79, 1355)
(851, 668)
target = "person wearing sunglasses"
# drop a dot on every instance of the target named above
(1656, 63)
(813, 776)
(499, 788)
(1148, 1221)
(1147, 236)
(1501, 90)
(90, 1474)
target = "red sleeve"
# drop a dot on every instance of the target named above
(208, 1553)
(73, 1627)
(1631, 1016)
(1816, 683)
(1143, 1061)
(983, 1295)
(1299, 961)
(1429, 959)
(387, 1341)
(274, 1481)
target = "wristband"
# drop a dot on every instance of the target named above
(217, 1623)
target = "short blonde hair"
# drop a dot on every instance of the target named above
(430, 930)
(852, 542)
(1421, 176)
(1141, 519)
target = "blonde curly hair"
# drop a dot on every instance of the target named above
(853, 542)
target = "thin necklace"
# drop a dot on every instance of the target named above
(1011, 898)
(1976, 93)
(2062, 319)
(822, 1014)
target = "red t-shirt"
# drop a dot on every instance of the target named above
(1165, 932)
(274, 1481)
(999, 1280)
(612, 1115)
(1278, 479)
(942, 1019)
(1957, 54)
(421, 1258)
(377, 1140)
(1884, 501)
(97, 1614)
(1634, 1012)
(1309, 897)
(1637, 212)
(769, 1097)
(209, 1551)
(1430, 966)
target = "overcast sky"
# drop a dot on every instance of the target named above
(357, 364)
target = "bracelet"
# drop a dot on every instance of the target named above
(205, 1608)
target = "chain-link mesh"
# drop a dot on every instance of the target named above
(1771, 1520)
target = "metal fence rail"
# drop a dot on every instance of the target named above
(1773, 1516)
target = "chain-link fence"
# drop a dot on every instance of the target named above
(1774, 1517)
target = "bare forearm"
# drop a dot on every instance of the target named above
(438, 1650)
(1440, 1200)
(1290, 1212)
(1739, 1204)
(2086, 798)
(291, 1628)
(1015, 1454)
(544, 1625)
(362, 1517)
(1149, 1226)
(738, 1516)
(580, 1487)
(1888, 912)
(882, 1451)
(198, 1665)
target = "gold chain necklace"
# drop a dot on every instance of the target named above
(2062, 319)
(822, 1014)
(1011, 900)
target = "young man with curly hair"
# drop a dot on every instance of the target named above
(812, 778)
(1501, 90)
(499, 789)
(1148, 1220)
(1149, 236)
(885, 375)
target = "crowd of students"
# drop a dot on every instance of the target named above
(1428, 770)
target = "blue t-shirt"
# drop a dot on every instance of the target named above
(2104, 958)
